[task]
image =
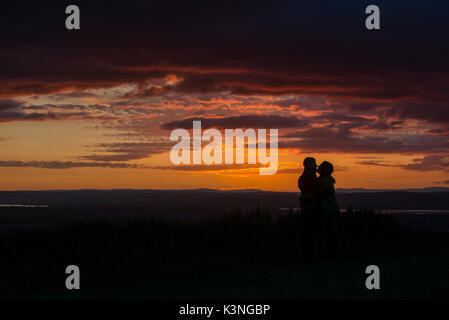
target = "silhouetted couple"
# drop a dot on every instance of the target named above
(319, 210)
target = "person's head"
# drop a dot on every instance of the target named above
(309, 163)
(325, 169)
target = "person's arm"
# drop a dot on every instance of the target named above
(300, 182)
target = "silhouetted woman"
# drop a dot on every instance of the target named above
(329, 206)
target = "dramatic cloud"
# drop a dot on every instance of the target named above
(7, 104)
(66, 164)
(263, 47)
(434, 111)
(125, 151)
(35, 116)
(209, 167)
(426, 163)
(378, 163)
(244, 121)
(16, 111)
(342, 139)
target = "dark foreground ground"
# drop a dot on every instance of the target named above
(250, 255)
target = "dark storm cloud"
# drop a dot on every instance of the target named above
(16, 111)
(436, 162)
(7, 104)
(337, 132)
(274, 121)
(392, 114)
(383, 124)
(342, 139)
(125, 151)
(255, 47)
(65, 164)
(434, 111)
(378, 163)
(244, 121)
(194, 168)
(36, 116)
(429, 162)
(439, 131)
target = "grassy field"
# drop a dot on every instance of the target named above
(240, 255)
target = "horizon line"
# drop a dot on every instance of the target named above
(221, 190)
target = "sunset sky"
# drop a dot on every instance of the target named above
(94, 108)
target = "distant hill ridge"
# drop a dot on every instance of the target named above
(211, 200)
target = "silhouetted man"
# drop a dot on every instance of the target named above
(309, 203)
(328, 206)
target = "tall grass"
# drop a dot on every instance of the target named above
(240, 230)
